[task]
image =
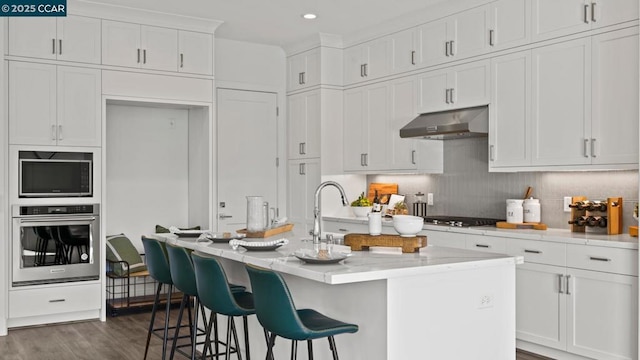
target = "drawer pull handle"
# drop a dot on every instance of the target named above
(533, 251)
(343, 230)
(594, 258)
(57, 300)
(560, 289)
(568, 285)
(483, 246)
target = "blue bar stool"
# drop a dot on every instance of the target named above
(216, 295)
(279, 316)
(158, 266)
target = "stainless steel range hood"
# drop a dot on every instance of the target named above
(449, 124)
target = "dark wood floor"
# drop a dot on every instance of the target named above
(120, 338)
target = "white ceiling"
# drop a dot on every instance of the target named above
(279, 22)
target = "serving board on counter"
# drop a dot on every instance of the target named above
(359, 242)
(534, 226)
(267, 232)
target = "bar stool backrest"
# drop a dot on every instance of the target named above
(213, 289)
(274, 306)
(156, 259)
(182, 273)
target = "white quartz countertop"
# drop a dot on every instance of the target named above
(624, 241)
(360, 266)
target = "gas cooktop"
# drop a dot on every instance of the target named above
(460, 221)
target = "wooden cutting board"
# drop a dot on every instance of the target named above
(534, 226)
(383, 189)
(360, 242)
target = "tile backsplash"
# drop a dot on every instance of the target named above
(467, 188)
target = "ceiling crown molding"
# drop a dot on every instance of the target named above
(314, 41)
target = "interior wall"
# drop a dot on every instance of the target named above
(4, 228)
(147, 177)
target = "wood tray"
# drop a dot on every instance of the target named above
(534, 226)
(364, 241)
(633, 231)
(266, 233)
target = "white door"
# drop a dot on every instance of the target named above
(471, 33)
(354, 129)
(509, 23)
(553, 18)
(121, 44)
(605, 13)
(432, 42)
(403, 54)
(469, 84)
(402, 109)
(33, 37)
(376, 115)
(196, 52)
(159, 48)
(432, 91)
(353, 63)
(247, 152)
(79, 39)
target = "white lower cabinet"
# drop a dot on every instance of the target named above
(54, 300)
(303, 179)
(576, 299)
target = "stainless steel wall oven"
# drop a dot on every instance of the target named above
(53, 244)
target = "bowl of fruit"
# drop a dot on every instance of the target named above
(361, 206)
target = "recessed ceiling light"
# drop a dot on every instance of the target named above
(309, 16)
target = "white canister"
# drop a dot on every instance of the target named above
(531, 209)
(375, 223)
(515, 212)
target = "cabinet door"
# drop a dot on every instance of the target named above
(121, 44)
(432, 43)
(541, 305)
(79, 106)
(610, 12)
(159, 48)
(376, 119)
(296, 67)
(552, 18)
(561, 112)
(402, 109)
(468, 31)
(602, 315)
(297, 196)
(312, 135)
(470, 84)
(33, 37)
(79, 39)
(509, 24)
(355, 129)
(353, 70)
(614, 97)
(297, 127)
(376, 56)
(509, 115)
(32, 104)
(403, 54)
(311, 68)
(432, 91)
(195, 53)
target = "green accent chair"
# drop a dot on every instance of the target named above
(158, 267)
(216, 295)
(278, 315)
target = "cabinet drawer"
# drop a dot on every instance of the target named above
(612, 260)
(54, 300)
(487, 244)
(347, 228)
(444, 238)
(540, 252)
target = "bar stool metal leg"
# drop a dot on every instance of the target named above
(153, 317)
(294, 349)
(166, 324)
(310, 349)
(332, 345)
(235, 338)
(245, 324)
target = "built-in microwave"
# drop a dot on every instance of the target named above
(55, 174)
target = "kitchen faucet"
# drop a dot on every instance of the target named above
(316, 207)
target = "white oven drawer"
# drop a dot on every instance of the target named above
(605, 259)
(540, 252)
(54, 300)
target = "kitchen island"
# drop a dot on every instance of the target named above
(439, 303)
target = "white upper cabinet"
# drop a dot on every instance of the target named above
(561, 111)
(304, 125)
(70, 38)
(433, 43)
(509, 23)
(195, 52)
(456, 87)
(552, 18)
(139, 46)
(54, 105)
(366, 61)
(614, 97)
(509, 114)
(403, 51)
(304, 69)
